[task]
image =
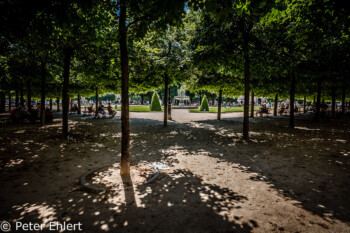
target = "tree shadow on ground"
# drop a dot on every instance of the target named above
(179, 202)
(318, 180)
(300, 163)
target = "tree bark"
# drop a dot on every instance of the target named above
(29, 94)
(292, 95)
(10, 104)
(219, 106)
(125, 149)
(276, 105)
(343, 102)
(58, 104)
(17, 98)
(43, 84)
(96, 112)
(69, 104)
(246, 82)
(318, 104)
(304, 104)
(65, 98)
(166, 80)
(21, 93)
(79, 104)
(141, 99)
(169, 106)
(2, 101)
(333, 102)
(51, 104)
(252, 106)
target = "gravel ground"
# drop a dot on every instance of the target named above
(291, 180)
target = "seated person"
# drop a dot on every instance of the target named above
(281, 111)
(101, 108)
(262, 110)
(111, 111)
(91, 108)
(296, 109)
(74, 108)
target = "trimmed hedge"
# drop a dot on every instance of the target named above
(204, 105)
(155, 104)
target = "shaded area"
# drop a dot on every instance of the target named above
(40, 173)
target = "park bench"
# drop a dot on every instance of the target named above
(261, 112)
(110, 113)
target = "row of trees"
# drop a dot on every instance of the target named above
(282, 48)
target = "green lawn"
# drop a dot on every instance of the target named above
(138, 108)
(215, 109)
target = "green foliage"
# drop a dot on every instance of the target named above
(155, 105)
(106, 97)
(137, 108)
(204, 105)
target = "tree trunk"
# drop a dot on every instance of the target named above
(292, 95)
(333, 102)
(125, 149)
(219, 106)
(96, 112)
(22, 98)
(17, 98)
(200, 99)
(304, 104)
(65, 98)
(141, 99)
(314, 100)
(343, 102)
(43, 84)
(252, 106)
(79, 104)
(149, 96)
(318, 104)
(276, 105)
(58, 104)
(51, 104)
(169, 106)
(2, 101)
(29, 94)
(246, 82)
(10, 105)
(166, 80)
(169, 99)
(69, 104)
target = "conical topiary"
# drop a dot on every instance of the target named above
(204, 105)
(155, 104)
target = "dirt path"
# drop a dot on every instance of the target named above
(282, 180)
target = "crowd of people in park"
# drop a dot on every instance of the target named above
(29, 111)
(22, 111)
(101, 109)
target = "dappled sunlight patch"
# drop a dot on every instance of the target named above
(111, 179)
(305, 128)
(42, 212)
(341, 140)
(19, 132)
(13, 162)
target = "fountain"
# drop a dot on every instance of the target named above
(181, 99)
